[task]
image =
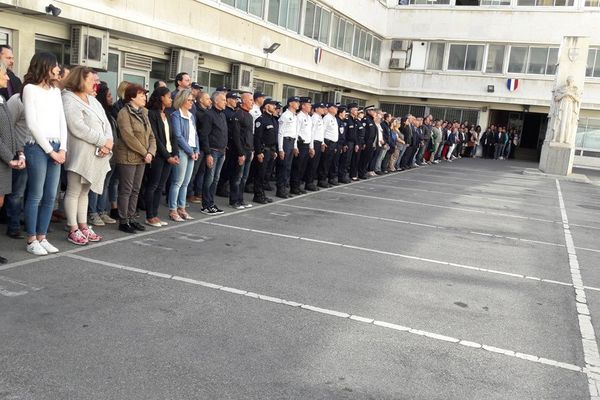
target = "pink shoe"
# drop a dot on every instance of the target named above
(78, 238)
(90, 235)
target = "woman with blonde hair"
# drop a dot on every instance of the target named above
(90, 148)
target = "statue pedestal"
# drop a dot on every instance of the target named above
(557, 158)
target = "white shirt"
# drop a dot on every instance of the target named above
(192, 129)
(255, 112)
(287, 128)
(304, 125)
(318, 132)
(45, 116)
(167, 135)
(331, 128)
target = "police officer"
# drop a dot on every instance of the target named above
(266, 128)
(232, 99)
(355, 139)
(239, 150)
(287, 147)
(369, 142)
(256, 111)
(331, 138)
(305, 145)
(338, 171)
(318, 135)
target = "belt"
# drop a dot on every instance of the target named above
(288, 138)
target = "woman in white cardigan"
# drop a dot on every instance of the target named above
(89, 147)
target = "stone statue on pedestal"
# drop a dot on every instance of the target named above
(564, 112)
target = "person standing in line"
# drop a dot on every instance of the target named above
(318, 135)
(239, 149)
(305, 145)
(369, 142)
(11, 155)
(167, 153)
(134, 150)
(338, 173)
(14, 84)
(194, 193)
(45, 119)
(331, 135)
(183, 122)
(436, 141)
(287, 146)
(351, 161)
(90, 144)
(266, 128)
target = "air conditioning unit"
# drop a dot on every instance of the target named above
(242, 77)
(399, 62)
(89, 47)
(137, 61)
(183, 61)
(335, 96)
(401, 45)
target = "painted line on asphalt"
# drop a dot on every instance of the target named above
(450, 207)
(591, 354)
(406, 256)
(340, 314)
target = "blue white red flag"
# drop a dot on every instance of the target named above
(318, 55)
(512, 84)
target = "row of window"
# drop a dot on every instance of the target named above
(438, 112)
(320, 24)
(520, 3)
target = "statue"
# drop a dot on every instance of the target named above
(564, 112)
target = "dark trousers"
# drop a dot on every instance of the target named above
(299, 165)
(260, 172)
(335, 162)
(355, 161)
(157, 174)
(327, 159)
(130, 180)
(284, 167)
(237, 180)
(313, 164)
(406, 160)
(344, 160)
(365, 158)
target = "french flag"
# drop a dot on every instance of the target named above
(512, 84)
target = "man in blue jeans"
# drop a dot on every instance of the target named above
(213, 142)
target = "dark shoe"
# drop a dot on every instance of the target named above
(3, 260)
(268, 187)
(334, 182)
(323, 184)
(295, 190)
(344, 180)
(379, 172)
(137, 226)
(312, 187)
(127, 228)
(15, 234)
(260, 199)
(216, 210)
(269, 200)
(282, 194)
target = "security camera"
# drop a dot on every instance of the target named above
(52, 9)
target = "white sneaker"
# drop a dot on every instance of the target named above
(36, 249)
(48, 247)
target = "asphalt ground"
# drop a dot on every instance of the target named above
(451, 281)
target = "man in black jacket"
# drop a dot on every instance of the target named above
(369, 142)
(195, 186)
(14, 83)
(239, 150)
(266, 128)
(213, 142)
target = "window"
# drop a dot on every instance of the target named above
(537, 60)
(592, 3)
(348, 100)
(211, 80)
(588, 134)
(349, 31)
(518, 59)
(285, 13)
(288, 91)
(495, 2)
(158, 72)
(465, 57)
(264, 86)
(376, 54)
(316, 97)
(356, 42)
(4, 37)
(60, 48)
(495, 59)
(435, 57)
(593, 63)
(111, 76)
(425, 2)
(545, 3)
(316, 22)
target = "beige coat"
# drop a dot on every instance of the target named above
(88, 129)
(136, 138)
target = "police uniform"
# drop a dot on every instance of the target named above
(266, 128)
(331, 138)
(240, 144)
(229, 164)
(286, 143)
(337, 171)
(318, 135)
(357, 137)
(305, 144)
(369, 144)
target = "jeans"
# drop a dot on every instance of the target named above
(158, 173)
(182, 174)
(14, 201)
(378, 159)
(98, 203)
(43, 177)
(238, 178)
(211, 178)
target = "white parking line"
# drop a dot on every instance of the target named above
(406, 256)
(342, 315)
(588, 334)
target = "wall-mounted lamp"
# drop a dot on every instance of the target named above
(490, 88)
(271, 49)
(526, 109)
(52, 9)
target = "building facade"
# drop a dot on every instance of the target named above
(484, 61)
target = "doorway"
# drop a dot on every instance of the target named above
(530, 126)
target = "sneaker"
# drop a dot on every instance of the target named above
(237, 206)
(174, 216)
(155, 222)
(205, 210)
(162, 223)
(127, 228)
(107, 219)
(36, 249)
(77, 237)
(94, 219)
(216, 210)
(246, 205)
(137, 226)
(48, 247)
(90, 235)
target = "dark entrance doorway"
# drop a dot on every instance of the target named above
(530, 126)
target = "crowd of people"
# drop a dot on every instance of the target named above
(69, 150)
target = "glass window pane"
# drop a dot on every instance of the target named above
(552, 61)
(309, 19)
(518, 58)
(293, 22)
(456, 58)
(283, 12)
(375, 56)
(242, 5)
(363, 44)
(495, 60)
(435, 58)
(335, 31)
(135, 79)
(228, 2)
(348, 37)
(597, 65)
(256, 7)
(317, 23)
(537, 60)
(368, 47)
(111, 76)
(589, 70)
(474, 58)
(356, 42)
(325, 23)
(526, 2)
(274, 11)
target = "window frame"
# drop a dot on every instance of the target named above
(466, 53)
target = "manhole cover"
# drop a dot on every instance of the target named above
(589, 206)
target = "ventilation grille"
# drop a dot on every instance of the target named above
(136, 61)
